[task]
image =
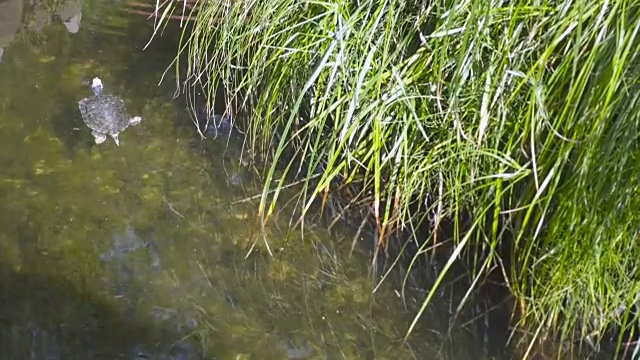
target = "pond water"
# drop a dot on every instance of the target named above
(141, 251)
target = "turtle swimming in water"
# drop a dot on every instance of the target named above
(105, 114)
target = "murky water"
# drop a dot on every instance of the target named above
(140, 251)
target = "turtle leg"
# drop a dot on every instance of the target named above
(135, 120)
(116, 139)
(98, 137)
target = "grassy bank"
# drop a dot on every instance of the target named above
(524, 116)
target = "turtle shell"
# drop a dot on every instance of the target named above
(104, 113)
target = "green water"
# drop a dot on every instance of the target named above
(142, 251)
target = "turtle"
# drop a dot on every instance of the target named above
(105, 114)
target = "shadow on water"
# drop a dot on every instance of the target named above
(111, 252)
(45, 317)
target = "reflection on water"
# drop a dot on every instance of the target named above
(140, 251)
(10, 21)
(12, 16)
(70, 12)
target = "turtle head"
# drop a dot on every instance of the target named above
(96, 86)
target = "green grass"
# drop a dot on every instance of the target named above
(522, 115)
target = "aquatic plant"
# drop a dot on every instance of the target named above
(516, 121)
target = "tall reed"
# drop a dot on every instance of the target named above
(524, 115)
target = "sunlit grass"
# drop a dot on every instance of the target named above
(522, 115)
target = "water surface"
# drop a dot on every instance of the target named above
(142, 251)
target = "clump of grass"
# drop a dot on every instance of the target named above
(522, 115)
